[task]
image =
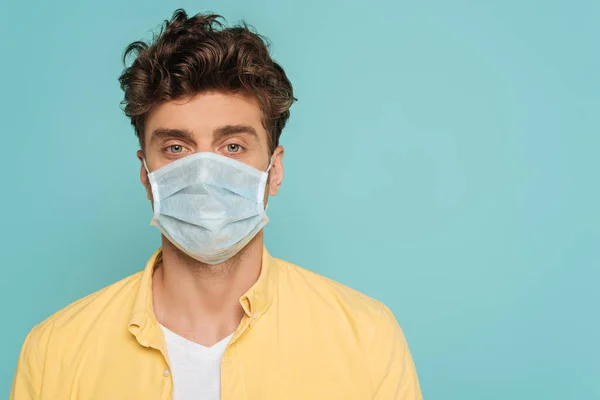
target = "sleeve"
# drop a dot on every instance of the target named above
(392, 368)
(28, 374)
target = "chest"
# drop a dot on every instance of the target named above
(274, 364)
(262, 363)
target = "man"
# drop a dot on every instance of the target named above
(214, 315)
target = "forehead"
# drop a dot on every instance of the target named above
(205, 112)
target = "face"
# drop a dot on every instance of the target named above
(225, 124)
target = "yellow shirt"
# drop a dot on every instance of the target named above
(303, 337)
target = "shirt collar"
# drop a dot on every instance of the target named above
(255, 301)
(258, 298)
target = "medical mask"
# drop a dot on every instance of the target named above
(209, 206)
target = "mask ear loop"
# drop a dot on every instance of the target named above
(264, 189)
(270, 164)
(145, 165)
(154, 190)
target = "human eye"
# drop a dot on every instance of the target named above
(234, 148)
(174, 149)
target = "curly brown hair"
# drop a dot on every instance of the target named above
(190, 55)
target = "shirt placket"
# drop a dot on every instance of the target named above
(233, 384)
(162, 372)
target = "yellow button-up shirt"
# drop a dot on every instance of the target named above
(303, 337)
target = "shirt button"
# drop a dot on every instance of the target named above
(255, 315)
(166, 372)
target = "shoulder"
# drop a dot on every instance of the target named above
(57, 338)
(111, 302)
(368, 323)
(331, 296)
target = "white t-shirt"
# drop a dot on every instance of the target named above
(195, 369)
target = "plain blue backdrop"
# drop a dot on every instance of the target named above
(442, 157)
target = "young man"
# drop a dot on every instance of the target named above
(213, 315)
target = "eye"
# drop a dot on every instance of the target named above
(175, 149)
(233, 148)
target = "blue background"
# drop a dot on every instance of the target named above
(442, 157)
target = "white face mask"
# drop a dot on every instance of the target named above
(209, 206)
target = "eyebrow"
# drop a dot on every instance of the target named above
(227, 130)
(220, 132)
(167, 133)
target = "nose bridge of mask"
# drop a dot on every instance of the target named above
(206, 167)
(261, 189)
(267, 171)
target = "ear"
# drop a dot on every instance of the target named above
(144, 175)
(276, 175)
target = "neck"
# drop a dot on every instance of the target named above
(199, 301)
